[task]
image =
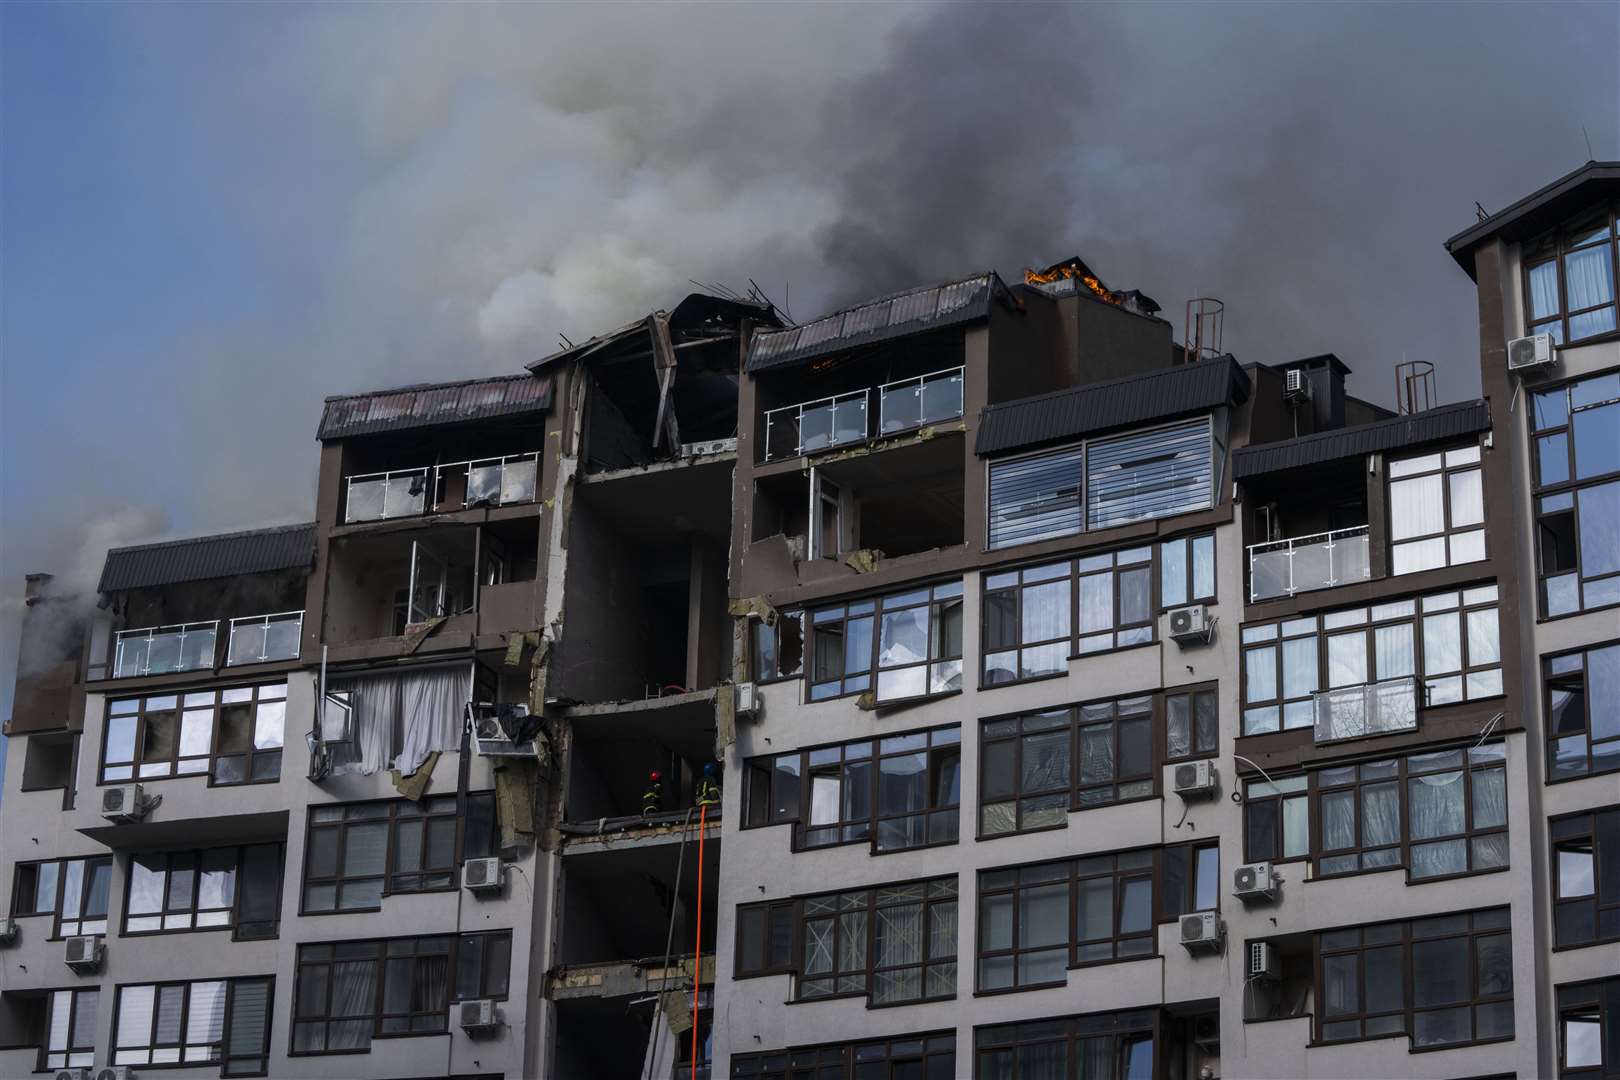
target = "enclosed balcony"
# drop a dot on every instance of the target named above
(845, 419)
(162, 650)
(1306, 563)
(260, 639)
(1366, 710)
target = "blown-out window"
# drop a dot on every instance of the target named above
(232, 736)
(912, 641)
(1586, 877)
(1583, 725)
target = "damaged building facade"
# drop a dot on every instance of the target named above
(1086, 702)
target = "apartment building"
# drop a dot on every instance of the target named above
(1089, 703)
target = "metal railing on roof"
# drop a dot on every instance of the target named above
(160, 650)
(1304, 563)
(843, 419)
(259, 639)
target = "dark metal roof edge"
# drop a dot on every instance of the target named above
(114, 554)
(1367, 434)
(414, 388)
(1464, 242)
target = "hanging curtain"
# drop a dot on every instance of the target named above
(354, 994)
(376, 703)
(433, 702)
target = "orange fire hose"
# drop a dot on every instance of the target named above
(697, 947)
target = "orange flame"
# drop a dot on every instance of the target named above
(1064, 271)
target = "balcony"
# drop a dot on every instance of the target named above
(844, 419)
(386, 495)
(1360, 712)
(162, 650)
(259, 639)
(494, 481)
(1306, 563)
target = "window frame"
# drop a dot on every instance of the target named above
(1569, 489)
(767, 669)
(1277, 797)
(76, 994)
(1445, 470)
(232, 913)
(948, 894)
(1556, 674)
(776, 1064)
(1598, 999)
(1193, 695)
(1585, 826)
(871, 610)
(224, 1058)
(259, 694)
(87, 874)
(1123, 1027)
(767, 910)
(1193, 852)
(1554, 246)
(376, 951)
(392, 817)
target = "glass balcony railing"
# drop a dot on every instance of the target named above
(384, 495)
(497, 481)
(815, 425)
(259, 639)
(1360, 712)
(1304, 563)
(912, 403)
(160, 650)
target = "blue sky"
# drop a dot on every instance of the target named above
(213, 215)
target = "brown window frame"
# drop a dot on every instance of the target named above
(224, 1058)
(1193, 855)
(1446, 470)
(766, 664)
(755, 921)
(1560, 675)
(392, 878)
(59, 893)
(232, 913)
(260, 765)
(1277, 797)
(936, 893)
(926, 1049)
(1124, 1028)
(938, 597)
(1588, 828)
(75, 995)
(1554, 246)
(1592, 1001)
(1188, 591)
(1406, 937)
(1557, 498)
(1196, 698)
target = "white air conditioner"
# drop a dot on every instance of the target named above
(709, 446)
(1529, 353)
(478, 1016)
(1262, 961)
(505, 730)
(1253, 882)
(1195, 780)
(1296, 385)
(74, 1074)
(9, 930)
(1202, 932)
(482, 875)
(123, 803)
(84, 953)
(1190, 624)
(115, 1072)
(747, 699)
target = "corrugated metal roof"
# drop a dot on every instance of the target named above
(1538, 210)
(1444, 422)
(258, 551)
(428, 404)
(896, 315)
(1080, 410)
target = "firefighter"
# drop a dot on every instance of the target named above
(652, 800)
(708, 788)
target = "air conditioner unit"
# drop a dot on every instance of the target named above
(747, 699)
(1191, 624)
(115, 1072)
(1529, 353)
(709, 446)
(478, 1016)
(123, 803)
(74, 1074)
(1252, 882)
(84, 953)
(1202, 932)
(505, 730)
(482, 875)
(1262, 961)
(8, 932)
(1295, 385)
(1196, 780)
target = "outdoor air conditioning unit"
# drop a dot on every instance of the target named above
(709, 446)
(1196, 780)
(482, 875)
(747, 699)
(84, 953)
(8, 932)
(1529, 353)
(1262, 961)
(1191, 624)
(479, 1016)
(505, 730)
(74, 1074)
(1295, 385)
(1252, 882)
(1202, 932)
(115, 1072)
(123, 803)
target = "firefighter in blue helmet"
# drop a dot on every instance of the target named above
(708, 786)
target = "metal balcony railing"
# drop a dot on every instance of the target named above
(1360, 712)
(259, 639)
(496, 481)
(815, 425)
(1304, 563)
(384, 495)
(160, 650)
(927, 399)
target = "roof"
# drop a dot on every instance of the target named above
(1080, 410)
(928, 307)
(431, 404)
(1536, 212)
(1443, 422)
(259, 551)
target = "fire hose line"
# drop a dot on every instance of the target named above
(697, 945)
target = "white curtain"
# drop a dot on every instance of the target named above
(1416, 507)
(433, 703)
(376, 703)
